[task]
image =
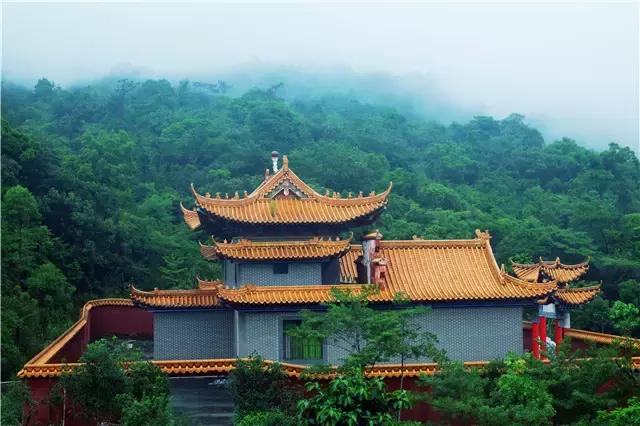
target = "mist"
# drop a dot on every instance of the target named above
(572, 69)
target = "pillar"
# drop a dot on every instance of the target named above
(558, 334)
(543, 336)
(535, 336)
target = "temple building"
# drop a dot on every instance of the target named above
(283, 248)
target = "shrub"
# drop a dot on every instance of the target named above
(352, 399)
(151, 410)
(623, 416)
(14, 399)
(104, 390)
(267, 418)
(258, 388)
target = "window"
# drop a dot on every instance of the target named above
(280, 268)
(298, 348)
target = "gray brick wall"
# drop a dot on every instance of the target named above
(475, 334)
(229, 273)
(193, 335)
(259, 334)
(262, 274)
(466, 334)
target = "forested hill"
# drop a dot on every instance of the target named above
(92, 180)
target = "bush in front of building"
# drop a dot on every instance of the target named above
(150, 410)
(590, 388)
(267, 418)
(623, 416)
(16, 403)
(259, 388)
(505, 393)
(351, 399)
(111, 384)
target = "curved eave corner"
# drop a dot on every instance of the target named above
(191, 217)
(577, 296)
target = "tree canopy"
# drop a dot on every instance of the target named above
(93, 176)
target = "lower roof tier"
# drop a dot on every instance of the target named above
(418, 270)
(576, 296)
(247, 250)
(550, 270)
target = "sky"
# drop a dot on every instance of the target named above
(571, 68)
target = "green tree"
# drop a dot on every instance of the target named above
(258, 388)
(625, 317)
(456, 393)
(629, 292)
(366, 335)
(352, 399)
(103, 388)
(97, 385)
(623, 416)
(519, 399)
(17, 403)
(44, 88)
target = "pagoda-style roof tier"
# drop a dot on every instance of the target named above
(195, 298)
(247, 250)
(576, 296)
(420, 270)
(551, 270)
(283, 199)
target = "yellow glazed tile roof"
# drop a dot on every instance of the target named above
(576, 296)
(201, 367)
(421, 270)
(290, 294)
(203, 297)
(432, 270)
(285, 199)
(276, 250)
(554, 269)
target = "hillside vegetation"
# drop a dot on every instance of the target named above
(92, 180)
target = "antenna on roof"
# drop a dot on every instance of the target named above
(274, 159)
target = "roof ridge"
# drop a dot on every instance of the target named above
(272, 182)
(552, 264)
(170, 292)
(283, 243)
(427, 243)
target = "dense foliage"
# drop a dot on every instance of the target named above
(92, 179)
(259, 389)
(352, 399)
(101, 389)
(575, 388)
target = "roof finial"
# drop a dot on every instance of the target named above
(274, 160)
(483, 235)
(266, 174)
(285, 162)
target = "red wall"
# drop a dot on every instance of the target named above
(120, 320)
(105, 321)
